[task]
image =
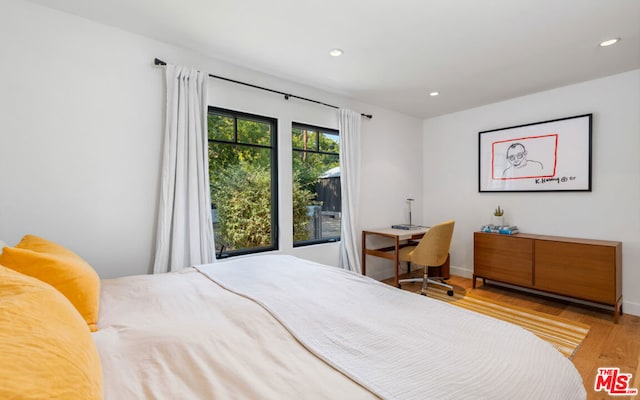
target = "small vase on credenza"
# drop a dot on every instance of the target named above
(498, 220)
(498, 217)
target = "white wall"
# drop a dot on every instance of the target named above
(610, 212)
(81, 118)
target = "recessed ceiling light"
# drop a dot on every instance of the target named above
(336, 52)
(609, 42)
(433, 94)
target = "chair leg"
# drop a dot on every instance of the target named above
(441, 283)
(425, 279)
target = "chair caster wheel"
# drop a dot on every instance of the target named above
(450, 292)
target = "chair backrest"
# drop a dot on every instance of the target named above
(433, 248)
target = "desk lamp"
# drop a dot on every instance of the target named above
(410, 201)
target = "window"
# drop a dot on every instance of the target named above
(243, 176)
(317, 203)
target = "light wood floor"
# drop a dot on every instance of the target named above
(606, 345)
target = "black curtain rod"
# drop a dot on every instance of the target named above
(157, 61)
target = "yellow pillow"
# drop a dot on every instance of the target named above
(45, 347)
(62, 269)
(35, 243)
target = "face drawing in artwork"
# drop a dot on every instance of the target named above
(519, 163)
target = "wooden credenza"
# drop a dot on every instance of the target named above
(584, 269)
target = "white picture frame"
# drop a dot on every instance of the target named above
(546, 156)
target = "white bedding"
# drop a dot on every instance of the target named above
(181, 336)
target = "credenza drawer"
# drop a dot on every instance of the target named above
(504, 258)
(576, 270)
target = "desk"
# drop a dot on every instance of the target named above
(386, 252)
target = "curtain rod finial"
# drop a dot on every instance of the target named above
(158, 61)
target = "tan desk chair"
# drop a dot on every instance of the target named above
(432, 250)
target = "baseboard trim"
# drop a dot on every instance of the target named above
(459, 271)
(632, 308)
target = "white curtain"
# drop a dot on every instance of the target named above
(185, 230)
(349, 124)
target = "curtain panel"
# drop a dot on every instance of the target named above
(185, 230)
(349, 123)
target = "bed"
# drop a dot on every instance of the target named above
(280, 327)
(255, 327)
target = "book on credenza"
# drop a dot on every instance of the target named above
(505, 230)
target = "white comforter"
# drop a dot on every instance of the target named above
(178, 336)
(181, 336)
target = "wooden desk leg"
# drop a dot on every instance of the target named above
(364, 253)
(397, 260)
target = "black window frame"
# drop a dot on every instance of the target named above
(318, 130)
(274, 172)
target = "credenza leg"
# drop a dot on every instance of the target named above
(617, 312)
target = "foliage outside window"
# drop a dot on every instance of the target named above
(243, 181)
(316, 184)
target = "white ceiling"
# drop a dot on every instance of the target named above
(473, 52)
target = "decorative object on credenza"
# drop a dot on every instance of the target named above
(502, 229)
(544, 156)
(498, 216)
(508, 230)
(488, 228)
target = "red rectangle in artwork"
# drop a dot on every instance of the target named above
(525, 157)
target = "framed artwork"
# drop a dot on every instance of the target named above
(544, 156)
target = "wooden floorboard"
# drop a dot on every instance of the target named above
(606, 345)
